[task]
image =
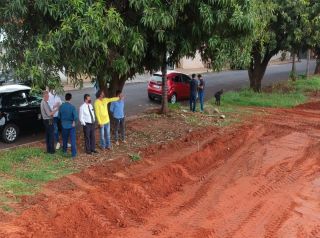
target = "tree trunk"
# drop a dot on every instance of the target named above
(164, 102)
(317, 70)
(293, 75)
(115, 85)
(308, 63)
(255, 78)
(258, 66)
(256, 73)
(102, 84)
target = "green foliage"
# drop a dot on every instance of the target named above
(96, 38)
(314, 37)
(175, 106)
(111, 41)
(284, 25)
(135, 157)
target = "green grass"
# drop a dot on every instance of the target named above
(283, 95)
(6, 208)
(18, 187)
(250, 98)
(307, 85)
(175, 106)
(24, 170)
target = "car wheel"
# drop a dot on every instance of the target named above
(173, 98)
(150, 98)
(10, 133)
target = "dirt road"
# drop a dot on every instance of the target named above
(261, 179)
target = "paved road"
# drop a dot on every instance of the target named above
(137, 100)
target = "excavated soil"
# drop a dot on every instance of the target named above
(261, 179)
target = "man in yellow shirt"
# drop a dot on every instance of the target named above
(102, 115)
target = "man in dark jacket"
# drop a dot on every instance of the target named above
(193, 93)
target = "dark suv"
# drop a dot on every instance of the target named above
(18, 110)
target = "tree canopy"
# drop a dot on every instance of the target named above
(285, 26)
(113, 40)
(98, 38)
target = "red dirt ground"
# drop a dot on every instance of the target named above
(261, 179)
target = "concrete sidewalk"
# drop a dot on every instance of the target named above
(141, 78)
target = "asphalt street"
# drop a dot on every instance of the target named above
(137, 101)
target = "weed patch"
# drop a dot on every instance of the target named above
(135, 157)
(175, 106)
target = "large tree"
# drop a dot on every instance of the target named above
(283, 27)
(113, 40)
(314, 38)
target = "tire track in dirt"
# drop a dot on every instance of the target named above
(245, 217)
(192, 206)
(264, 192)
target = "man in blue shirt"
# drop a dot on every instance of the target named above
(117, 110)
(68, 116)
(193, 93)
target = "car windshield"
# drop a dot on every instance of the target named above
(34, 98)
(157, 78)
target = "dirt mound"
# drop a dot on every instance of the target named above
(257, 180)
(310, 105)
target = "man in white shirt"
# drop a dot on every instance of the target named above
(87, 120)
(54, 103)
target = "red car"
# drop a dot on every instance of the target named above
(178, 86)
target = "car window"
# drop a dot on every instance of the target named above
(177, 79)
(16, 99)
(156, 77)
(34, 100)
(185, 79)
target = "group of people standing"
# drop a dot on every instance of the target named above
(54, 112)
(196, 91)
